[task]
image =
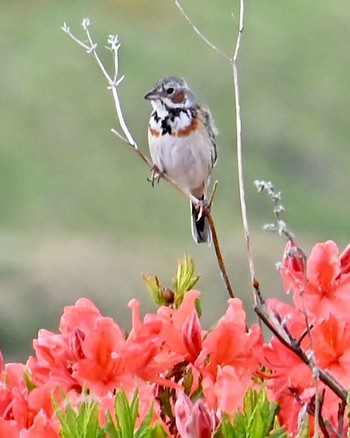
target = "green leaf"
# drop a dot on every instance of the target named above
(29, 383)
(165, 395)
(185, 280)
(158, 431)
(144, 430)
(188, 381)
(160, 295)
(125, 413)
(226, 429)
(258, 419)
(81, 421)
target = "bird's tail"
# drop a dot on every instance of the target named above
(200, 226)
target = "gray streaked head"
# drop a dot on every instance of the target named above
(173, 92)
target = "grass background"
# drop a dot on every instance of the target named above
(78, 217)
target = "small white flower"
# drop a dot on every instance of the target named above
(65, 28)
(270, 227)
(113, 42)
(259, 184)
(282, 226)
(279, 209)
(85, 23)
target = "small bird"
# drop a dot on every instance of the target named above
(182, 143)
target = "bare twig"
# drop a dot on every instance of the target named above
(219, 256)
(200, 34)
(312, 409)
(235, 75)
(278, 209)
(213, 193)
(341, 413)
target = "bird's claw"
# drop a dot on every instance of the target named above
(203, 208)
(156, 175)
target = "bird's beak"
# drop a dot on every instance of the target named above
(153, 94)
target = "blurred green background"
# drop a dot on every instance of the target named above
(78, 217)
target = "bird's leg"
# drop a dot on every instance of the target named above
(156, 175)
(203, 208)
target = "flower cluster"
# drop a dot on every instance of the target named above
(92, 352)
(320, 318)
(188, 380)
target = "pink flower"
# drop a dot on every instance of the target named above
(331, 343)
(231, 343)
(9, 428)
(293, 267)
(326, 291)
(53, 361)
(194, 421)
(103, 362)
(227, 390)
(229, 359)
(42, 427)
(192, 336)
(345, 261)
(173, 321)
(81, 316)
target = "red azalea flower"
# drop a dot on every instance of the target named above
(145, 353)
(229, 359)
(173, 321)
(345, 261)
(81, 316)
(53, 361)
(229, 343)
(194, 420)
(9, 429)
(331, 343)
(226, 392)
(192, 336)
(326, 291)
(103, 364)
(293, 267)
(42, 427)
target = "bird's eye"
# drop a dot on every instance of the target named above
(170, 90)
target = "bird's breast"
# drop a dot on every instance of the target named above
(180, 149)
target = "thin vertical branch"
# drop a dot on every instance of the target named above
(200, 34)
(219, 256)
(239, 148)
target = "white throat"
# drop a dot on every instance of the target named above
(160, 108)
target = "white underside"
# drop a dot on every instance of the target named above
(185, 159)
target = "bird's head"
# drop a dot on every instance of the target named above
(171, 92)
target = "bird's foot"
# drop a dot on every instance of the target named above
(156, 175)
(203, 207)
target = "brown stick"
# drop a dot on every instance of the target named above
(219, 257)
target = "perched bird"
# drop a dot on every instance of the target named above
(181, 137)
